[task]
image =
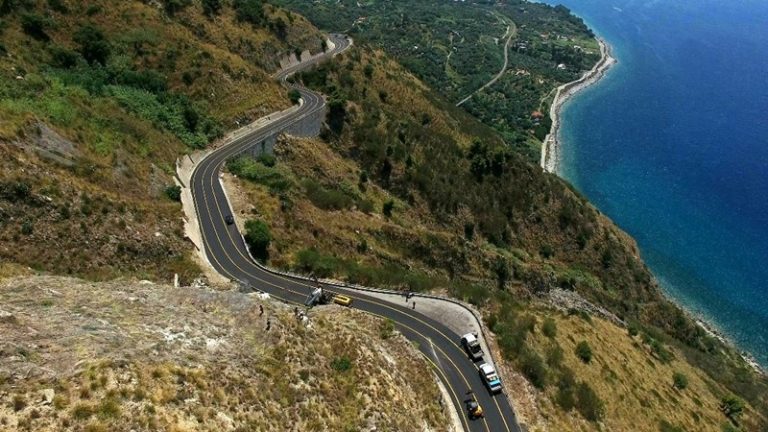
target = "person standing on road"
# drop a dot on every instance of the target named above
(414, 306)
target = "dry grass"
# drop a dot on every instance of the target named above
(118, 358)
(636, 387)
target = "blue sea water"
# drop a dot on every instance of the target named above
(673, 146)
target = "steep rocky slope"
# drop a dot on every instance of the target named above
(128, 355)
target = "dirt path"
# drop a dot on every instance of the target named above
(511, 33)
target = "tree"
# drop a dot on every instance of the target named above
(93, 46)
(174, 6)
(732, 407)
(501, 269)
(588, 404)
(173, 192)
(250, 11)
(294, 96)
(549, 328)
(211, 7)
(533, 368)
(34, 26)
(387, 208)
(584, 352)
(258, 237)
(280, 28)
(679, 380)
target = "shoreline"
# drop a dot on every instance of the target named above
(550, 162)
(550, 148)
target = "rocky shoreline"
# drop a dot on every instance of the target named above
(550, 149)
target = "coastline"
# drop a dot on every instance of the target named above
(550, 162)
(550, 148)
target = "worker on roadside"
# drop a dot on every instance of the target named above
(261, 310)
(414, 306)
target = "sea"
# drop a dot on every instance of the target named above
(673, 146)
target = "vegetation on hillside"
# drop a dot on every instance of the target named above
(98, 99)
(469, 216)
(458, 46)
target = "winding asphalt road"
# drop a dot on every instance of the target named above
(227, 253)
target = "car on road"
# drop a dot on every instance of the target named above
(490, 378)
(229, 219)
(342, 300)
(472, 346)
(474, 409)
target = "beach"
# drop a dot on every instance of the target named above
(550, 148)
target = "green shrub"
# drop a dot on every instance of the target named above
(267, 159)
(108, 408)
(294, 96)
(63, 58)
(588, 404)
(566, 387)
(253, 170)
(533, 368)
(34, 26)
(174, 6)
(732, 407)
(341, 364)
(555, 356)
(173, 193)
(665, 426)
(19, 402)
(258, 238)
(327, 199)
(584, 352)
(387, 329)
(58, 6)
(27, 228)
(387, 208)
(679, 380)
(250, 11)
(94, 47)
(549, 328)
(211, 7)
(81, 411)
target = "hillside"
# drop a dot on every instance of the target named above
(123, 356)
(404, 190)
(458, 46)
(99, 98)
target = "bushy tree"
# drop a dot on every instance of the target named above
(679, 380)
(294, 96)
(584, 352)
(94, 47)
(34, 26)
(211, 7)
(533, 368)
(173, 192)
(388, 207)
(174, 6)
(250, 11)
(588, 404)
(732, 407)
(549, 328)
(258, 238)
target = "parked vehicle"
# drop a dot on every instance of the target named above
(490, 377)
(472, 346)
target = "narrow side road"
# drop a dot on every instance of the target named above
(511, 33)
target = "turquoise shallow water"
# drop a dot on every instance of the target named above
(673, 146)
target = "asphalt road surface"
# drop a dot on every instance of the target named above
(228, 254)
